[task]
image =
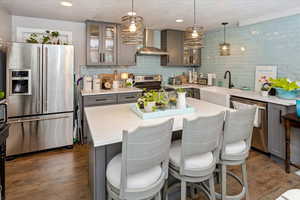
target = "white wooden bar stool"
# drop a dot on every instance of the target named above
(235, 148)
(142, 168)
(290, 195)
(193, 159)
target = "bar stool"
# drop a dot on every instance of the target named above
(235, 148)
(140, 171)
(193, 159)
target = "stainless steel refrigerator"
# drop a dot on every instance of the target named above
(40, 97)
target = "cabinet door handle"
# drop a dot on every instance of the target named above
(168, 58)
(100, 57)
(104, 57)
(101, 99)
(280, 114)
(131, 97)
(135, 58)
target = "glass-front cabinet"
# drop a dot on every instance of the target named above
(101, 43)
(192, 56)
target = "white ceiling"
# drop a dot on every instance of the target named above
(159, 14)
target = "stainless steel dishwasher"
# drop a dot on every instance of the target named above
(260, 133)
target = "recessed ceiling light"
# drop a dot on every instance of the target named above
(66, 3)
(179, 20)
(131, 13)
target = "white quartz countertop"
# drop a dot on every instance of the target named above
(238, 93)
(106, 123)
(110, 91)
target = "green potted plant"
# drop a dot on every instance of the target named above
(152, 100)
(181, 100)
(2, 95)
(285, 88)
(148, 101)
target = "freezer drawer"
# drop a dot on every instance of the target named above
(39, 133)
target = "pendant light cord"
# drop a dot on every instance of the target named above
(194, 12)
(224, 34)
(132, 7)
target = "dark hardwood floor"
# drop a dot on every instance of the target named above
(63, 175)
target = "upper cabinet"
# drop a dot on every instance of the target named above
(172, 41)
(105, 47)
(101, 43)
(126, 53)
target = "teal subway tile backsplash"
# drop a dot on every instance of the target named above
(146, 65)
(275, 43)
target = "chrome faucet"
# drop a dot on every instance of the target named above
(230, 85)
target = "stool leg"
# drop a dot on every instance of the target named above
(193, 193)
(224, 182)
(109, 197)
(244, 171)
(183, 190)
(165, 190)
(212, 188)
(158, 197)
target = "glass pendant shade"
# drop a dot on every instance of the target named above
(224, 49)
(193, 37)
(132, 29)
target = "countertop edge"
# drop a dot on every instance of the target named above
(113, 91)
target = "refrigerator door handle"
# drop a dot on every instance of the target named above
(36, 119)
(45, 102)
(39, 81)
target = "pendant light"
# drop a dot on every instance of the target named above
(193, 36)
(132, 28)
(224, 47)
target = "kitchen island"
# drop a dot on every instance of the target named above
(105, 127)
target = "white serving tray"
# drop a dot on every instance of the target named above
(160, 113)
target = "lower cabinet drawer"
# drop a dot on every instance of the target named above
(99, 100)
(129, 97)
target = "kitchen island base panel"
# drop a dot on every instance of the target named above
(99, 157)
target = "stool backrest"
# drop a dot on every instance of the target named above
(201, 135)
(239, 127)
(144, 148)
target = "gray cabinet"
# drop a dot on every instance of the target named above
(172, 41)
(128, 97)
(99, 100)
(276, 136)
(101, 43)
(126, 54)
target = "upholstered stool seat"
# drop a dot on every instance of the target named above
(235, 148)
(290, 195)
(138, 180)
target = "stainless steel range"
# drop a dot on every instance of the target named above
(40, 97)
(148, 82)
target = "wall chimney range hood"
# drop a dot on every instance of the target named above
(148, 48)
